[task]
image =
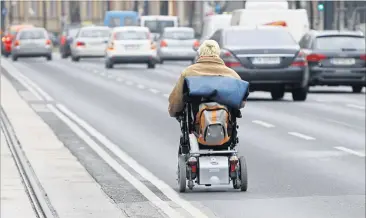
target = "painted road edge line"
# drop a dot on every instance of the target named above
(306, 137)
(350, 151)
(356, 106)
(164, 206)
(161, 185)
(262, 123)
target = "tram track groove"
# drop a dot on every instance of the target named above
(33, 188)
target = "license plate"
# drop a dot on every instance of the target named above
(266, 60)
(131, 47)
(343, 61)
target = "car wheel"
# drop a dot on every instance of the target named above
(278, 93)
(14, 58)
(151, 65)
(356, 89)
(76, 59)
(300, 94)
(49, 57)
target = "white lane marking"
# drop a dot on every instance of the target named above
(360, 154)
(95, 71)
(25, 79)
(140, 86)
(129, 83)
(162, 186)
(154, 91)
(110, 76)
(166, 95)
(119, 79)
(321, 100)
(164, 206)
(102, 74)
(306, 137)
(262, 123)
(11, 69)
(356, 106)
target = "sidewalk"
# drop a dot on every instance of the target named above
(14, 200)
(73, 193)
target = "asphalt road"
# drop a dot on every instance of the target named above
(305, 159)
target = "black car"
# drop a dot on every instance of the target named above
(267, 57)
(336, 58)
(66, 39)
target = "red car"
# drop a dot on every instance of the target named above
(8, 37)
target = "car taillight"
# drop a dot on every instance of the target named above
(363, 57)
(48, 42)
(229, 59)
(315, 57)
(233, 163)
(80, 44)
(16, 43)
(163, 44)
(196, 44)
(300, 60)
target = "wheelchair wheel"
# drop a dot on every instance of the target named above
(243, 174)
(182, 173)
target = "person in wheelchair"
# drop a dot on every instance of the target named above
(206, 116)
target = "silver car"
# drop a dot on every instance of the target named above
(176, 43)
(90, 42)
(32, 42)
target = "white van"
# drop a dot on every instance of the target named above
(212, 23)
(156, 24)
(297, 20)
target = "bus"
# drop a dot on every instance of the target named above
(121, 18)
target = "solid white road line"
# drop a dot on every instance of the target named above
(119, 79)
(162, 186)
(164, 206)
(360, 154)
(154, 91)
(356, 106)
(262, 123)
(301, 135)
(129, 83)
(95, 71)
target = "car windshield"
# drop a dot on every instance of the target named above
(340, 42)
(131, 35)
(32, 34)
(179, 34)
(95, 33)
(259, 38)
(157, 26)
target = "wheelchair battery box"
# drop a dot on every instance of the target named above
(213, 170)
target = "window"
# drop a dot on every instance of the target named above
(259, 38)
(179, 34)
(34, 7)
(33, 34)
(89, 9)
(158, 26)
(304, 42)
(52, 9)
(216, 36)
(339, 42)
(131, 35)
(95, 33)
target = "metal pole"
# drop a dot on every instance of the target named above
(10, 12)
(44, 14)
(3, 16)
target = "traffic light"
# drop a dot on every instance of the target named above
(320, 6)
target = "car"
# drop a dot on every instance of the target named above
(90, 42)
(67, 36)
(268, 57)
(157, 23)
(176, 43)
(130, 45)
(32, 42)
(7, 38)
(336, 58)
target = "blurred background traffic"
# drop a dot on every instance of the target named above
(278, 46)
